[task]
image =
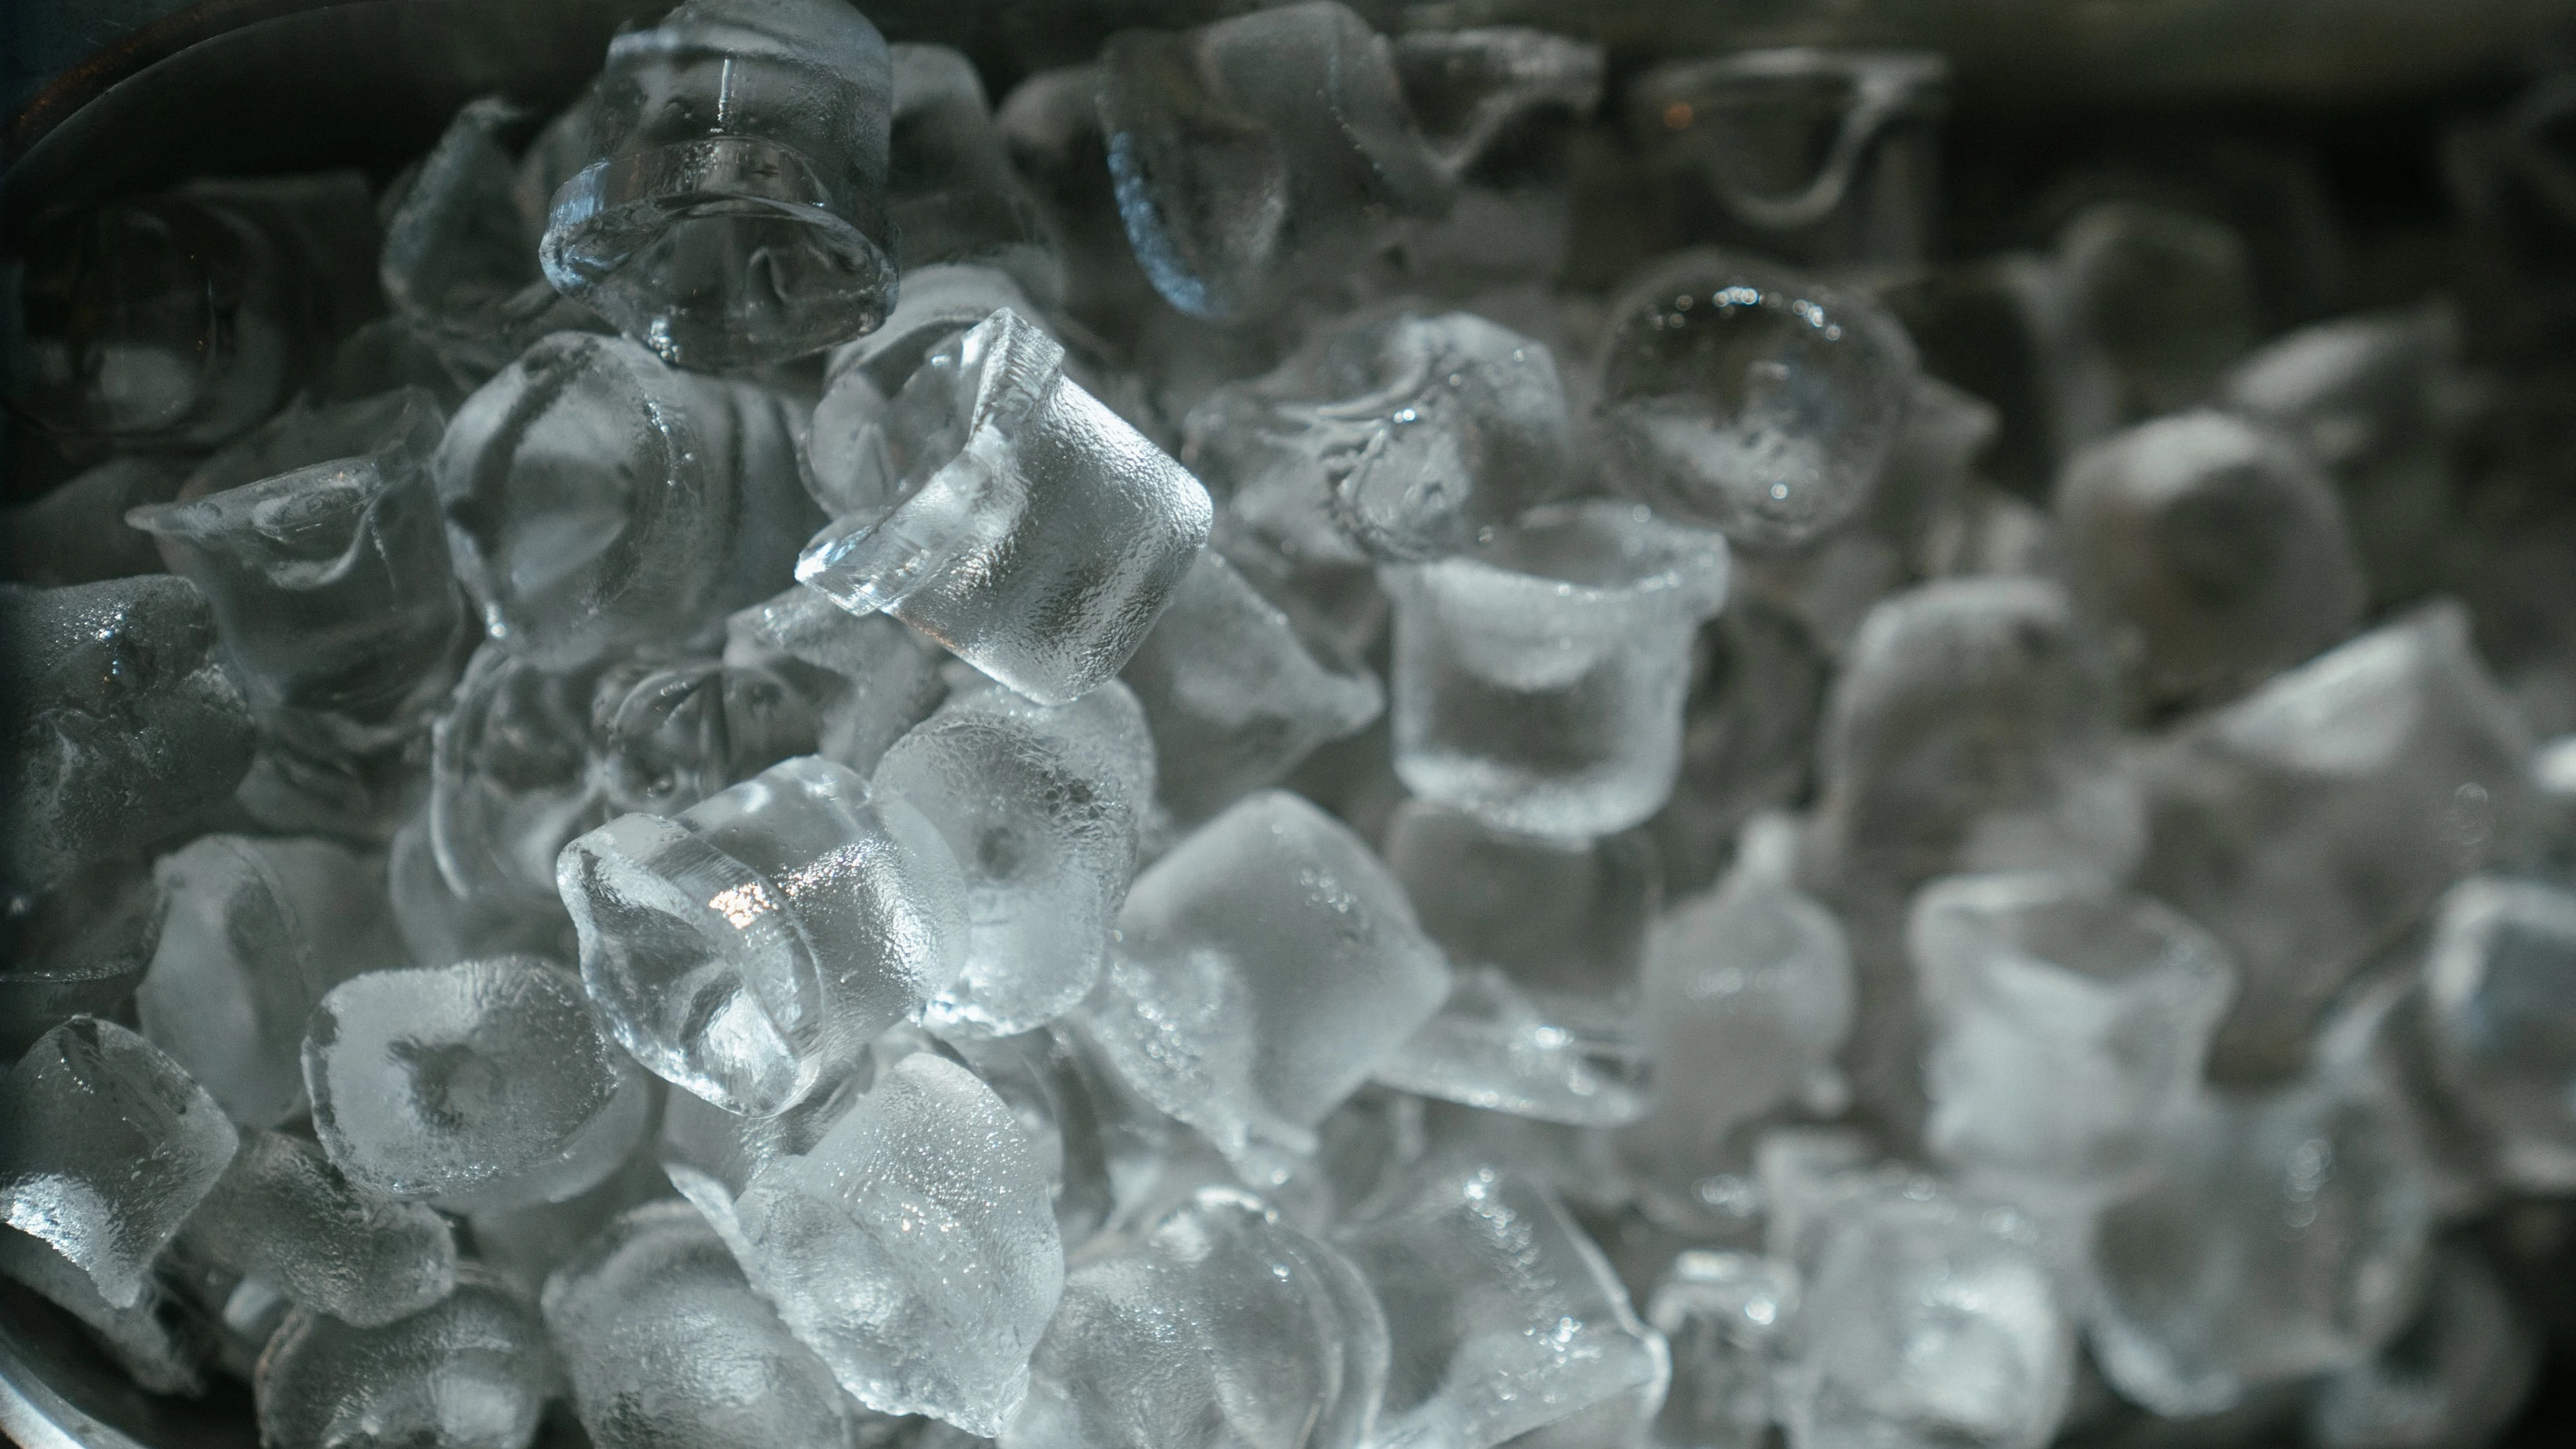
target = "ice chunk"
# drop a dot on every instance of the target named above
(283, 1215)
(1042, 810)
(1736, 394)
(108, 1148)
(78, 949)
(122, 725)
(1262, 154)
(1221, 1326)
(667, 1346)
(1265, 967)
(2068, 1021)
(738, 212)
(950, 189)
(752, 944)
(2214, 552)
(485, 1084)
(866, 676)
(2456, 1374)
(255, 932)
(1500, 107)
(2500, 985)
(1538, 681)
(510, 780)
(471, 1372)
(599, 500)
(2309, 822)
(710, 1155)
(2164, 297)
(1503, 1316)
(1014, 518)
(1728, 1317)
(665, 737)
(913, 1247)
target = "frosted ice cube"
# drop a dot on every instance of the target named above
(1266, 965)
(913, 1247)
(664, 738)
(485, 1084)
(1042, 810)
(1223, 1326)
(1743, 396)
(283, 1215)
(2456, 1374)
(1503, 1317)
(471, 1372)
(78, 949)
(1014, 518)
(2164, 296)
(866, 676)
(1500, 107)
(754, 943)
(950, 189)
(1728, 1317)
(1539, 680)
(2500, 985)
(109, 1147)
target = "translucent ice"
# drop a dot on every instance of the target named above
(1538, 681)
(667, 1346)
(913, 1247)
(1500, 107)
(752, 944)
(510, 780)
(950, 189)
(866, 676)
(472, 1372)
(486, 1084)
(710, 1155)
(738, 213)
(1739, 395)
(2500, 986)
(1015, 519)
(459, 265)
(664, 738)
(78, 949)
(1042, 809)
(1728, 1317)
(2164, 296)
(157, 1339)
(2453, 1377)
(282, 1214)
(1757, 692)
(1266, 965)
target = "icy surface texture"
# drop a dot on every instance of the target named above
(1728, 1317)
(2068, 1021)
(1539, 680)
(913, 1247)
(159, 1340)
(738, 212)
(1262, 153)
(1736, 394)
(472, 1372)
(1398, 437)
(1014, 518)
(664, 738)
(108, 1148)
(78, 949)
(2213, 552)
(283, 1215)
(1547, 935)
(598, 499)
(1040, 808)
(950, 189)
(487, 1084)
(2453, 1376)
(1221, 1327)
(2500, 987)
(844, 457)
(121, 724)
(710, 1155)
(1265, 967)
(2281, 1237)
(2310, 821)
(755, 942)
(255, 931)
(510, 780)
(668, 1347)
(866, 677)
(1499, 106)
(1236, 695)
(1502, 1317)
(2162, 297)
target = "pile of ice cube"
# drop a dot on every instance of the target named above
(838, 767)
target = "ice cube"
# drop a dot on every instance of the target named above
(2213, 552)
(510, 781)
(75, 533)
(2500, 984)
(283, 1215)
(255, 932)
(486, 1084)
(1757, 692)
(1726, 1316)
(109, 1146)
(2456, 1374)
(459, 265)
(866, 676)
(753, 944)
(1221, 1325)
(123, 726)
(1503, 1317)
(1500, 107)
(2164, 296)
(78, 949)
(664, 738)
(913, 1247)
(1041, 809)
(1014, 518)
(438, 926)
(1051, 128)
(471, 1372)
(599, 500)
(737, 213)
(1261, 155)
(523, 1244)
(2309, 822)
(1539, 680)
(1265, 967)
(1743, 396)
(950, 189)
(710, 1155)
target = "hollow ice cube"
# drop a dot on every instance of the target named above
(1500, 107)
(1014, 518)
(1539, 680)
(2500, 987)
(284, 1215)
(484, 1085)
(1728, 1318)
(755, 942)
(665, 737)
(866, 676)
(471, 1372)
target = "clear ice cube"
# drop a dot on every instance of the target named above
(950, 189)
(664, 738)
(283, 1215)
(2500, 988)
(1500, 107)
(459, 266)
(866, 676)
(472, 1372)
(710, 1155)
(74, 532)
(159, 1339)
(509, 781)
(1757, 692)
(1728, 1318)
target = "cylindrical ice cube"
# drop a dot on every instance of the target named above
(1539, 681)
